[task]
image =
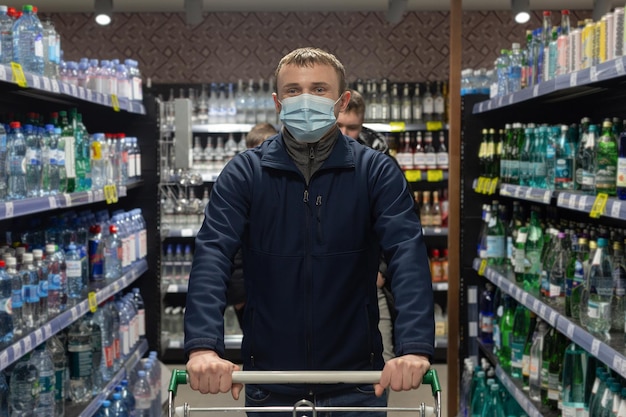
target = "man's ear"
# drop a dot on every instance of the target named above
(345, 99)
(277, 104)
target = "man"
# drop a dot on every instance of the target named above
(311, 210)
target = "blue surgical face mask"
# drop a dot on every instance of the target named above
(308, 117)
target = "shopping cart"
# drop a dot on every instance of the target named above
(304, 377)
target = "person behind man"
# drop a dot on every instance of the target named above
(350, 122)
(259, 133)
(311, 210)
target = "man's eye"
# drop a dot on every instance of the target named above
(320, 90)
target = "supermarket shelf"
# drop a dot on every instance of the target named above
(134, 183)
(535, 195)
(210, 176)
(572, 84)
(521, 397)
(175, 288)
(94, 405)
(435, 231)
(57, 89)
(231, 341)
(428, 175)
(184, 232)
(609, 353)
(16, 208)
(63, 320)
(441, 343)
(440, 286)
(222, 128)
(614, 208)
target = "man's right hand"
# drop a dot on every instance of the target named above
(208, 373)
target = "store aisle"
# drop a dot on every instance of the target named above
(397, 399)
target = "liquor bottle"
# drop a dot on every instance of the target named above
(606, 161)
(490, 155)
(418, 116)
(564, 167)
(482, 152)
(576, 271)
(442, 153)
(439, 103)
(428, 103)
(395, 106)
(419, 156)
(426, 210)
(405, 153)
(583, 132)
(595, 301)
(495, 237)
(406, 109)
(535, 367)
(487, 314)
(435, 214)
(430, 155)
(435, 266)
(375, 105)
(574, 362)
(506, 325)
(558, 272)
(618, 301)
(588, 160)
(527, 345)
(521, 324)
(385, 101)
(533, 250)
(621, 165)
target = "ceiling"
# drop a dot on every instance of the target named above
(87, 6)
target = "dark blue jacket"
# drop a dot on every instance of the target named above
(310, 260)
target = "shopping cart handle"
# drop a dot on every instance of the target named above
(179, 376)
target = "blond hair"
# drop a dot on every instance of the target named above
(307, 57)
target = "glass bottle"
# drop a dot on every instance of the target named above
(573, 380)
(595, 301)
(527, 346)
(534, 380)
(487, 314)
(576, 271)
(621, 164)
(417, 105)
(558, 272)
(618, 301)
(495, 237)
(395, 106)
(588, 160)
(419, 156)
(506, 332)
(606, 161)
(533, 250)
(428, 103)
(435, 216)
(521, 324)
(524, 158)
(426, 210)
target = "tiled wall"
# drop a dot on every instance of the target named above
(228, 46)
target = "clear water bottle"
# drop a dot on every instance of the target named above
(179, 261)
(116, 332)
(113, 254)
(17, 299)
(103, 317)
(51, 268)
(502, 71)
(6, 316)
(123, 82)
(59, 360)
(42, 277)
(118, 408)
(75, 282)
(134, 76)
(187, 261)
(33, 161)
(4, 396)
(81, 361)
(154, 386)
(28, 42)
(95, 249)
(125, 326)
(51, 50)
(60, 163)
(595, 302)
(16, 150)
(30, 290)
(141, 312)
(24, 391)
(98, 161)
(168, 265)
(42, 359)
(6, 36)
(105, 409)
(143, 395)
(3, 163)
(127, 397)
(97, 356)
(122, 148)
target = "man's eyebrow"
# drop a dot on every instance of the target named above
(315, 84)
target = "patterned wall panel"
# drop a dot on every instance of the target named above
(228, 46)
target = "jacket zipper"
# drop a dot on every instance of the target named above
(318, 205)
(309, 282)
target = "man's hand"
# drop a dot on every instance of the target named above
(208, 373)
(403, 373)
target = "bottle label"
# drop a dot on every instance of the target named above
(38, 49)
(419, 160)
(517, 354)
(59, 384)
(70, 157)
(32, 157)
(142, 403)
(526, 365)
(138, 165)
(428, 105)
(96, 151)
(431, 160)
(143, 243)
(606, 171)
(495, 247)
(563, 170)
(440, 105)
(74, 269)
(45, 383)
(109, 355)
(442, 160)
(141, 319)
(486, 324)
(621, 172)
(80, 361)
(125, 339)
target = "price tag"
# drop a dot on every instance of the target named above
(536, 90)
(90, 196)
(17, 350)
(593, 74)
(73, 90)
(18, 75)
(500, 101)
(493, 186)
(479, 185)
(560, 200)
(553, 316)
(100, 98)
(89, 95)
(38, 337)
(8, 206)
(186, 232)
(595, 347)
(619, 66)
(573, 79)
(599, 205)
(434, 175)
(107, 194)
(93, 301)
(115, 102)
(528, 194)
(542, 310)
(617, 363)
(55, 86)
(519, 192)
(616, 208)
(582, 203)
(4, 359)
(482, 267)
(524, 298)
(572, 201)
(623, 370)
(413, 175)
(397, 127)
(46, 83)
(489, 104)
(432, 126)
(116, 286)
(28, 344)
(510, 99)
(172, 288)
(47, 330)
(547, 196)
(570, 330)
(74, 314)
(65, 89)
(68, 199)
(81, 93)
(52, 202)
(36, 82)
(3, 73)
(536, 305)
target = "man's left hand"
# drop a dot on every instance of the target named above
(403, 373)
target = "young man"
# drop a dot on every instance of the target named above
(311, 210)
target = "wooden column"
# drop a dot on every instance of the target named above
(454, 217)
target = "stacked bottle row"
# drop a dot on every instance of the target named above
(249, 103)
(61, 157)
(482, 395)
(555, 372)
(216, 152)
(36, 46)
(408, 102)
(418, 151)
(77, 363)
(556, 50)
(578, 269)
(584, 157)
(176, 264)
(138, 396)
(173, 323)
(477, 81)
(63, 262)
(432, 213)
(183, 209)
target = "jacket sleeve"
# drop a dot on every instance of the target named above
(217, 242)
(401, 239)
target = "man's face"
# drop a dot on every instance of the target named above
(318, 80)
(350, 123)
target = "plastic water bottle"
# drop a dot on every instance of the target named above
(103, 317)
(24, 392)
(502, 70)
(105, 409)
(52, 50)
(127, 397)
(42, 277)
(16, 150)
(95, 249)
(59, 359)
(28, 42)
(116, 332)
(17, 299)
(81, 361)
(42, 359)
(4, 396)
(595, 303)
(3, 163)
(98, 161)
(515, 69)
(59, 158)
(33, 161)
(51, 268)
(113, 254)
(6, 316)
(141, 312)
(74, 275)
(135, 79)
(154, 386)
(97, 356)
(143, 395)
(6, 36)
(30, 290)
(118, 408)
(124, 327)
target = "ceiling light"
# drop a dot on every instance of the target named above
(193, 12)
(104, 11)
(521, 10)
(396, 10)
